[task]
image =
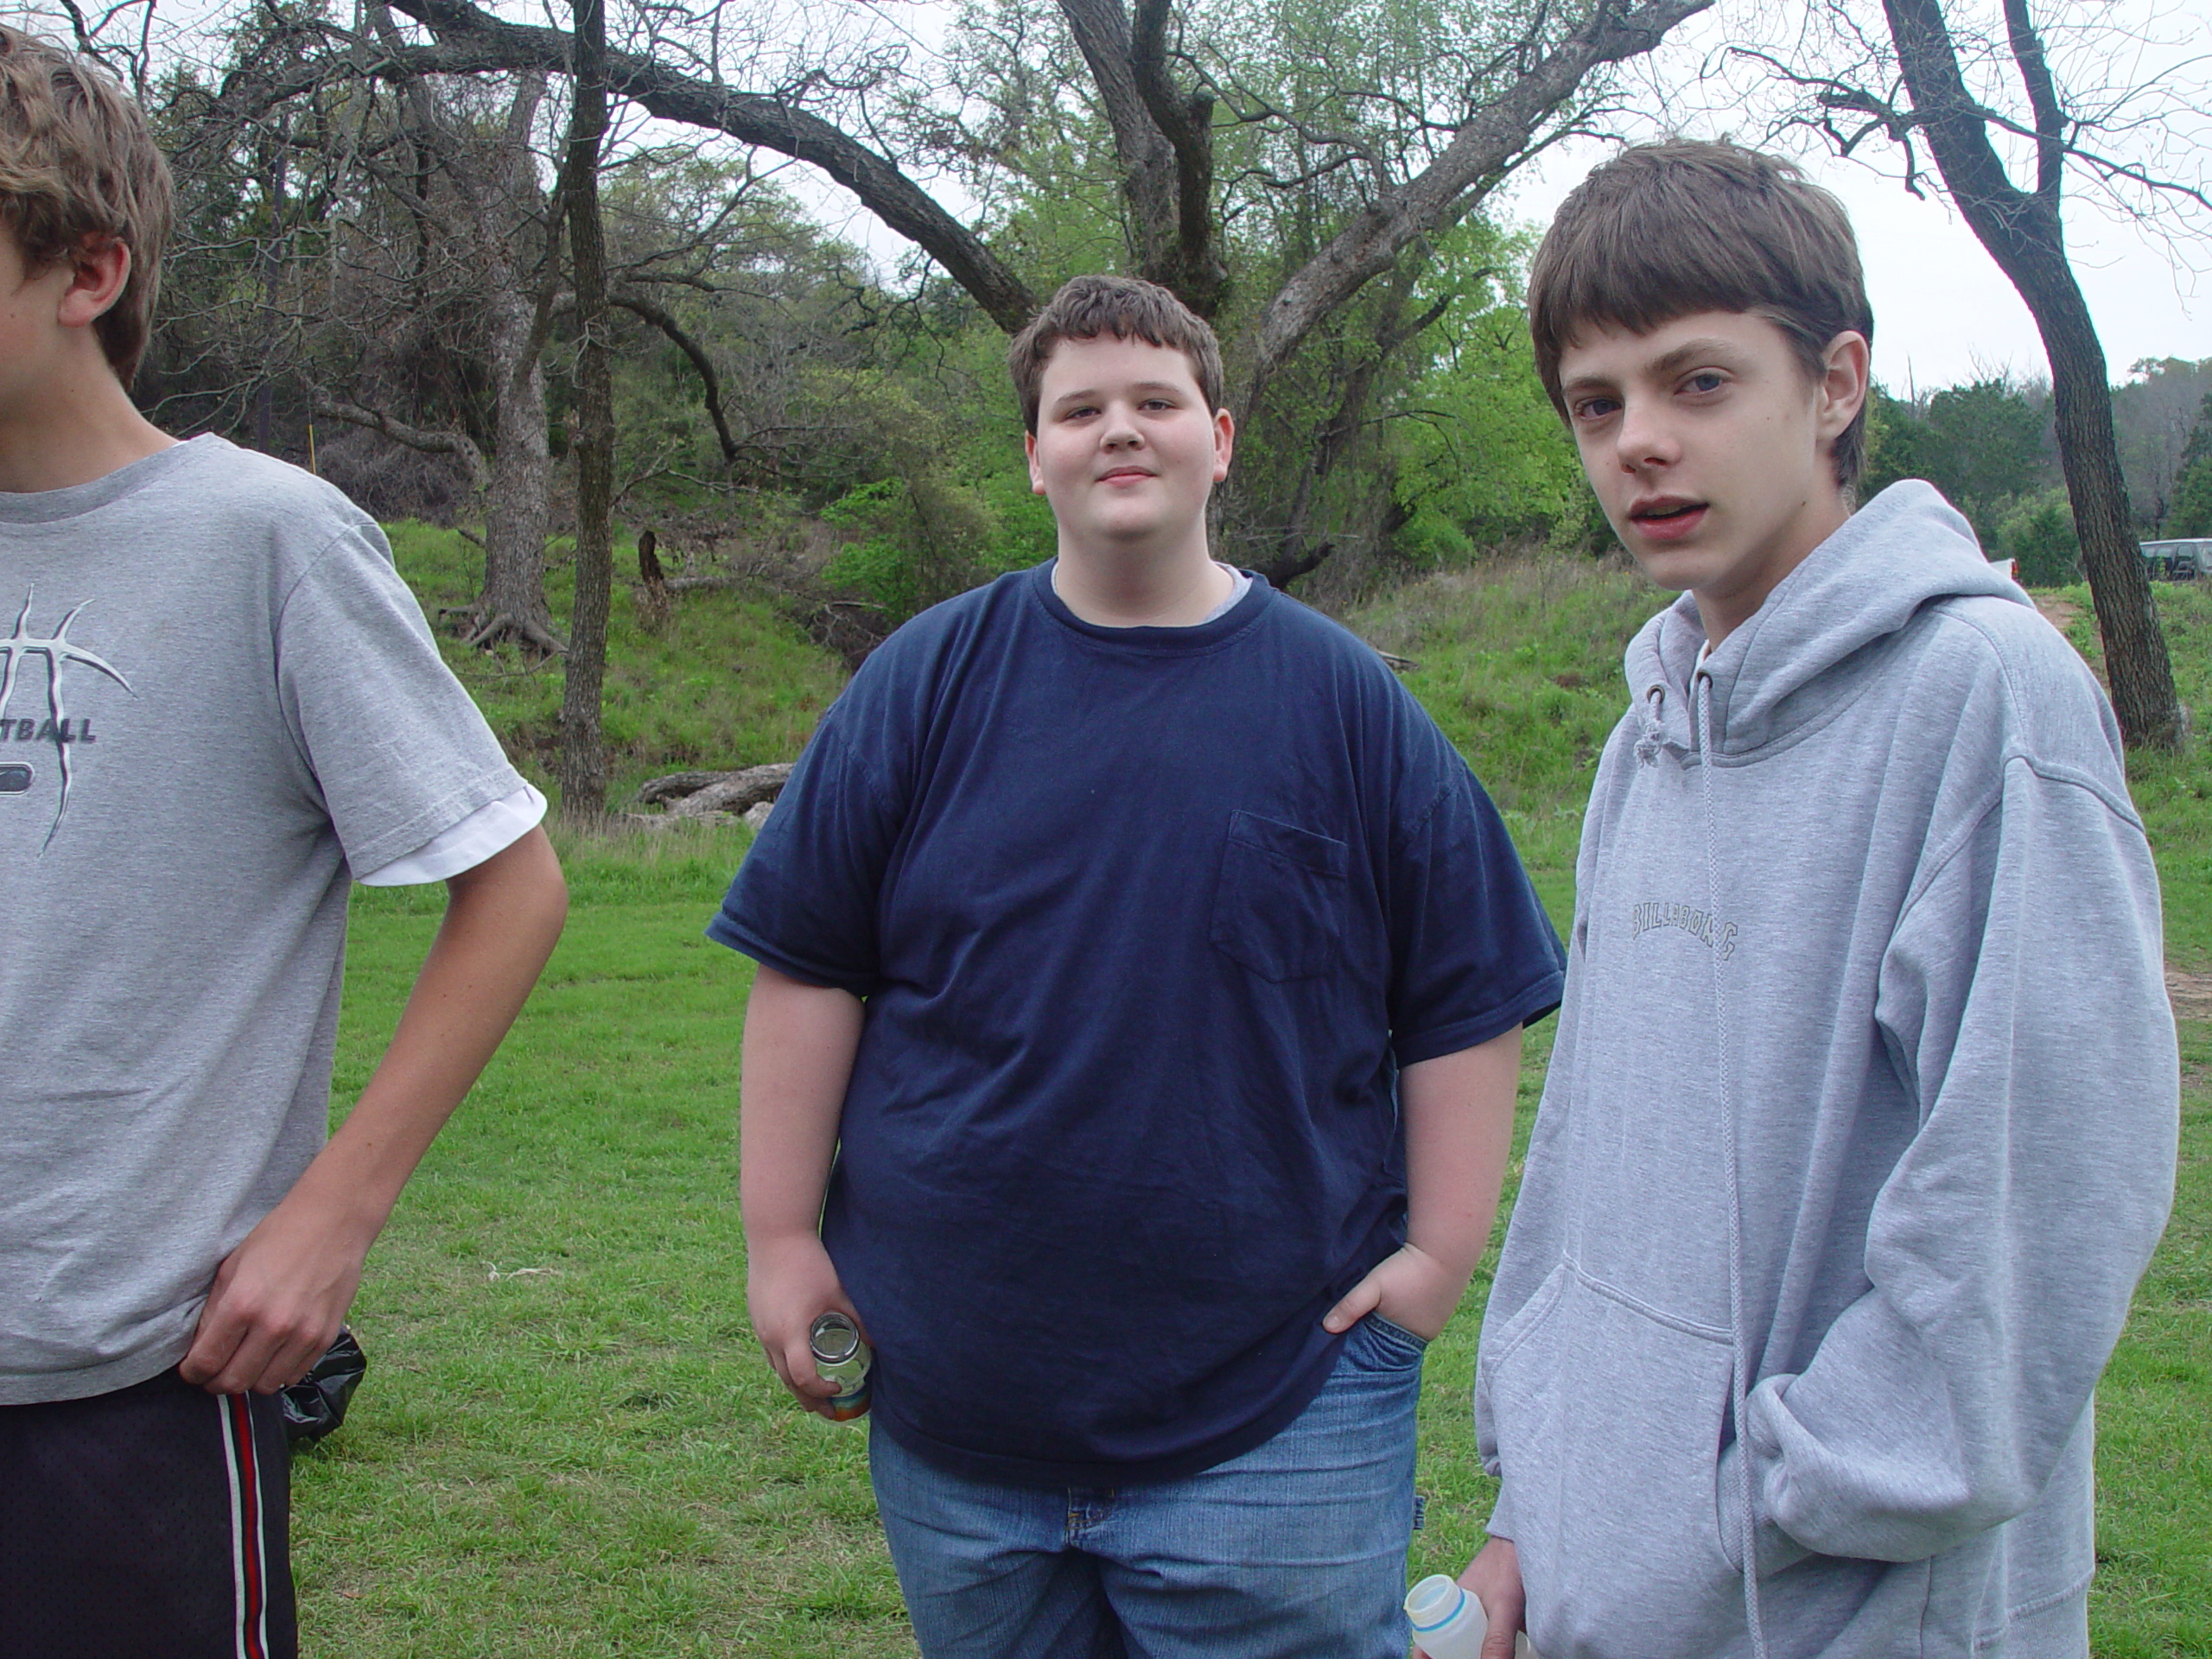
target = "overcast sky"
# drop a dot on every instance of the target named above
(1943, 313)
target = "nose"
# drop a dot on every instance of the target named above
(1121, 429)
(1643, 439)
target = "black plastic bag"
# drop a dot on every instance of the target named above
(316, 1403)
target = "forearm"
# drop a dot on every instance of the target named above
(1458, 1112)
(502, 920)
(799, 1043)
(1458, 1120)
(278, 1298)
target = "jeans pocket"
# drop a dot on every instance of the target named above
(1279, 905)
(1377, 1344)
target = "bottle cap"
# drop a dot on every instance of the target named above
(1433, 1601)
(834, 1339)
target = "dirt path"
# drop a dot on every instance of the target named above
(2062, 612)
(2191, 994)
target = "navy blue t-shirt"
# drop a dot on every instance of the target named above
(1147, 920)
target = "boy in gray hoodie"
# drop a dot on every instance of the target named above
(1860, 1126)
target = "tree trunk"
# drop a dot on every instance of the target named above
(521, 469)
(2025, 235)
(2137, 665)
(503, 198)
(582, 772)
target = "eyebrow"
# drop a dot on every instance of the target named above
(1694, 351)
(1081, 393)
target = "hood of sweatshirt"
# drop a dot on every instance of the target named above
(1819, 633)
(1859, 1129)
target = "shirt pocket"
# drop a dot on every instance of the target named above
(1279, 907)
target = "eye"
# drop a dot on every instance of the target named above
(1078, 411)
(1594, 409)
(1706, 381)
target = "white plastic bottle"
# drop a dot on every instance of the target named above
(1448, 1622)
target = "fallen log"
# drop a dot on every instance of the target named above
(702, 794)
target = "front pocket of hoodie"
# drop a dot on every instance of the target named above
(1608, 1422)
(1279, 906)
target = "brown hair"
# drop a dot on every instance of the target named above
(76, 160)
(1666, 229)
(1124, 307)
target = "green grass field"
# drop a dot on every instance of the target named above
(568, 1443)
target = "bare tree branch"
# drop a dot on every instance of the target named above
(2024, 233)
(1101, 29)
(1480, 150)
(1186, 122)
(436, 442)
(472, 40)
(637, 305)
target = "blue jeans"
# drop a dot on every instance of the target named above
(1296, 1550)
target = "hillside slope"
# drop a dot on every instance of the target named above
(1519, 661)
(731, 681)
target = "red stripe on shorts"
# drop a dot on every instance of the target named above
(245, 1476)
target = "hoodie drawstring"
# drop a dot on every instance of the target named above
(1701, 693)
(1653, 737)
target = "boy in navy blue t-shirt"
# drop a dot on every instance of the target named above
(1133, 1054)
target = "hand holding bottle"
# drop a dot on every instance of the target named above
(1449, 1622)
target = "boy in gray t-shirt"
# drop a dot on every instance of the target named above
(219, 703)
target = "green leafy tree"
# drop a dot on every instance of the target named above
(2191, 514)
(1486, 457)
(2155, 414)
(2039, 537)
(1985, 445)
(1901, 444)
(1286, 170)
(1992, 439)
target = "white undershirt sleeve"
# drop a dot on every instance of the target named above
(490, 829)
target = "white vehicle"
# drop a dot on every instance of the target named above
(2183, 561)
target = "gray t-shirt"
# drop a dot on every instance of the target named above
(216, 692)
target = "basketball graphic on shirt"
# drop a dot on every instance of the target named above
(27, 650)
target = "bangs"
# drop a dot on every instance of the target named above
(1666, 230)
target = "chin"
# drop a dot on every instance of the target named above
(1677, 568)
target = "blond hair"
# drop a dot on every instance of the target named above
(78, 161)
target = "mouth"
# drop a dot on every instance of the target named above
(1123, 474)
(1667, 518)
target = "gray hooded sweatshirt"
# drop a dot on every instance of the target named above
(1859, 1130)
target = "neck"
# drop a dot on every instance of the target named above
(1722, 609)
(1121, 588)
(83, 428)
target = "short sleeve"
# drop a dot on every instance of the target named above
(1473, 953)
(806, 901)
(398, 753)
(483, 835)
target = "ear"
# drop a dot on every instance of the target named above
(98, 267)
(1842, 388)
(1224, 443)
(1029, 452)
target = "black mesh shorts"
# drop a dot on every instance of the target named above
(148, 1523)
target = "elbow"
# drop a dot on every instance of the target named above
(540, 890)
(1894, 1514)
